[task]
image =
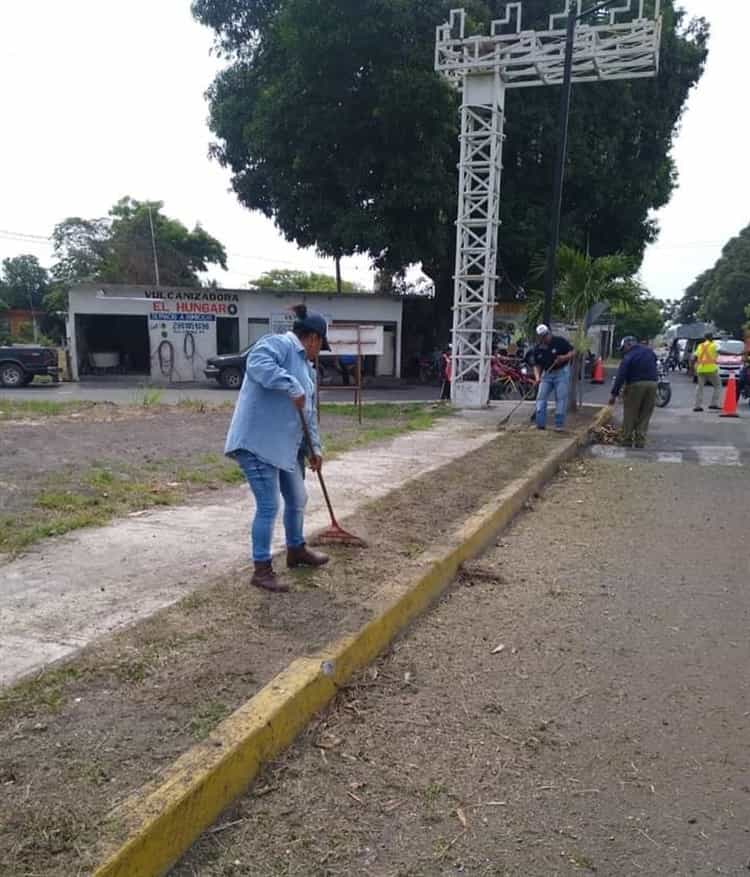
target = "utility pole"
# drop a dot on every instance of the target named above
(33, 317)
(482, 68)
(562, 151)
(153, 246)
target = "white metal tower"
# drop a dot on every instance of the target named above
(482, 67)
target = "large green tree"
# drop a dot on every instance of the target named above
(722, 293)
(310, 281)
(726, 293)
(691, 302)
(118, 248)
(643, 318)
(24, 282)
(181, 253)
(332, 121)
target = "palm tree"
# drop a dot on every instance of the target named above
(582, 282)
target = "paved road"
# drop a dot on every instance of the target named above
(129, 392)
(679, 435)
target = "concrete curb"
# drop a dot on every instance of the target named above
(164, 818)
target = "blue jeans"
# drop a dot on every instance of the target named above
(267, 483)
(556, 382)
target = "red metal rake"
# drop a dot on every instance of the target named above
(335, 534)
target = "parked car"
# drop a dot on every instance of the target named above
(730, 358)
(19, 364)
(228, 369)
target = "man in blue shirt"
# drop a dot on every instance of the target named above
(639, 374)
(266, 438)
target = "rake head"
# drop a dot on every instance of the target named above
(336, 535)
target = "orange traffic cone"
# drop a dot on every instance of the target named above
(598, 376)
(730, 399)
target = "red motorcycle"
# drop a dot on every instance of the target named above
(512, 378)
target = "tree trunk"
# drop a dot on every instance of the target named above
(575, 383)
(338, 274)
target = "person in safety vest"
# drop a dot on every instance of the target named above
(707, 372)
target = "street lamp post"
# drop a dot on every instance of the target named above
(561, 154)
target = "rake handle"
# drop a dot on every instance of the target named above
(308, 439)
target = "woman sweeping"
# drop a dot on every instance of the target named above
(266, 438)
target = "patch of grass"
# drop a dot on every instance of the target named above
(194, 476)
(44, 832)
(148, 397)
(415, 417)
(196, 406)
(93, 498)
(232, 475)
(12, 409)
(71, 498)
(45, 691)
(196, 600)
(207, 719)
(133, 671)
(432, 792)
(387, 410)
(61, 501)
(212, 475)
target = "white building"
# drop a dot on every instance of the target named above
(167, 333)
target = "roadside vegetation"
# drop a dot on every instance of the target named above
(85, 492)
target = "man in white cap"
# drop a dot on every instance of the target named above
(552, 356)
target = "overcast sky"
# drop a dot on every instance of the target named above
(104, 98)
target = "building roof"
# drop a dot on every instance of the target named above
(258, 290)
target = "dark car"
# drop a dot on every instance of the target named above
(228, 369)
(21, 362)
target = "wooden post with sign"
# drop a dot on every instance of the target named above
(358, 340)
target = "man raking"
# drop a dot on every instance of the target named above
(638, 373)
(552, 356)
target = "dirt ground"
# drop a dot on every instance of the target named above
(77, 739)
(577, 704)
(59, 473)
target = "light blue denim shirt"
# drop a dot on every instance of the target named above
(265, 422)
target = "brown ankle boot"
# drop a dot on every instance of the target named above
(302, 556)
(264, 577)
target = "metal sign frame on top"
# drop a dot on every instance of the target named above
(352, 339)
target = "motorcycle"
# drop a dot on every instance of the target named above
(663, 385)
(743, 384)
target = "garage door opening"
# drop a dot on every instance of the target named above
(110, 345)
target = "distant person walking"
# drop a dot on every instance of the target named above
(446, 366)
(707, 372)
(638, 373)
(346, 367)
(552, 356)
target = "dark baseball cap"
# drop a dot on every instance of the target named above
(310, 321)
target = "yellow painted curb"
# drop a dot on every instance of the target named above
(162, 820)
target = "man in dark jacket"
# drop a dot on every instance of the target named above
(638, 372)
